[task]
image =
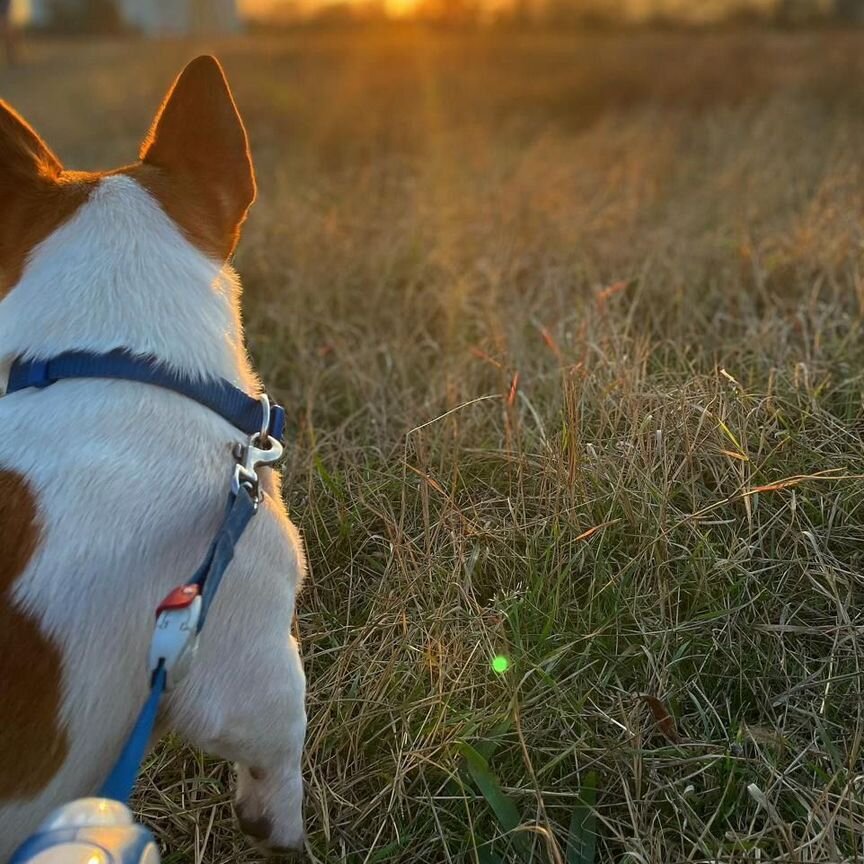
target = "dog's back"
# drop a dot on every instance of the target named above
(116, 520)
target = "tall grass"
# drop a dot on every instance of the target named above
(569, 329)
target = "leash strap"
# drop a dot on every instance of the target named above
(217, 394)
(241, 509)
(209, 575)
(123, 775)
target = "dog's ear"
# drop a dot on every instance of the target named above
(36, 196)
(198, 140)
(24, 156)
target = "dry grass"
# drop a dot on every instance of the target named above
(570, 332)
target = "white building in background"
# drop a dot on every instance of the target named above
(155, 17)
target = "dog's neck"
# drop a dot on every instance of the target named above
(120, 274)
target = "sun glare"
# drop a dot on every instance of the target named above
(400, 8)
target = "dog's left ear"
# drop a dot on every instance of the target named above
(35, 196)
(198, 141)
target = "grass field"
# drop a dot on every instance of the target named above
(569, 328)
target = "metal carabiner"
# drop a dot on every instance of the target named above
(253, 454)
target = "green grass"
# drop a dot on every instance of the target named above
(569, 329)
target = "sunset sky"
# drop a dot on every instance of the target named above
(700, 9)
(692, 9)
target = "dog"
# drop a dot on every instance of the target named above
(111, 491)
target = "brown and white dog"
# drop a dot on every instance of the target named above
(112, 491)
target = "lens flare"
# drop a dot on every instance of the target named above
(500, 664)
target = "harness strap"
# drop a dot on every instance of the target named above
(181, 617)
(238, 408)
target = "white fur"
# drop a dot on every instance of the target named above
(131, 483)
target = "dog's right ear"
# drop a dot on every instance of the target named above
(24, 156)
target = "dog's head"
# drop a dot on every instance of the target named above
(195, 162)
(100, 253)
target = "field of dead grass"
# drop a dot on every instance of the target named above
(569, 328)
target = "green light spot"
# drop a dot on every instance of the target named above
(500, 664)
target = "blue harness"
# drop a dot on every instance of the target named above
(181, 615)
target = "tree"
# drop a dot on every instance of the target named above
(850, 11)
(587, 12)
(81, 16)
(801, 11)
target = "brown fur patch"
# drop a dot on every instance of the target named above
(33, 745)
(190, 210)
(196, 159)
(37, 195)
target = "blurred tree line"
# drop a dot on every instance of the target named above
(75, 16)
(804, 11)
(612, 13)
(104, 16)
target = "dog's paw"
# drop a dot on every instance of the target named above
(260, 830)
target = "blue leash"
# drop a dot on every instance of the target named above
(182, 614)
(123, 775)
(209, 575)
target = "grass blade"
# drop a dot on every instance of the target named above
(502, 805)
(582, 836)
(387, 853)
(484, 856)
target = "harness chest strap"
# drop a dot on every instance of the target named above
(181, 615)
(241, 410)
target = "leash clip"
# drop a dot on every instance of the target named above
(261, 449)
(175, 636)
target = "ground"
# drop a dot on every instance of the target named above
(569, 328)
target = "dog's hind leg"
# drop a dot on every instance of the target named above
(244, 699)
(269, 796)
